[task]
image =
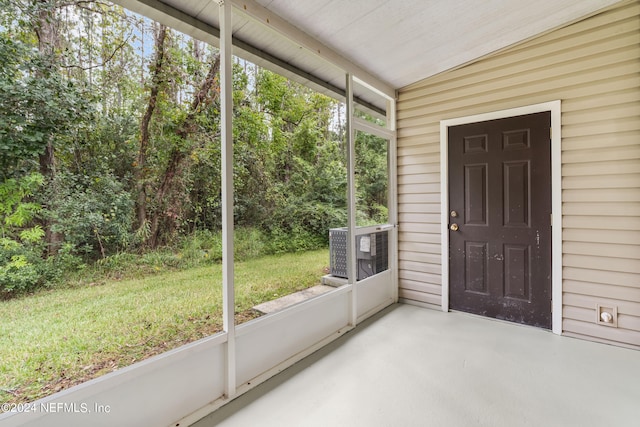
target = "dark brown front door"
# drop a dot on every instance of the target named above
(500, 219)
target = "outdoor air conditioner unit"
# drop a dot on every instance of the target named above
(372, 253)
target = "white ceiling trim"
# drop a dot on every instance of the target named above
(318, 73)
(387, 44)
(270, 20)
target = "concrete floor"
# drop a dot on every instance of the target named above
(410, 366)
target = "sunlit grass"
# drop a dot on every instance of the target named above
(58, 338)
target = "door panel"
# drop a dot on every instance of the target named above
(516, 194)
(476, 267)
(517, 275)
(500, 203)
(476, 204)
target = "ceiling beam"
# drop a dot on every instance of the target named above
(172, 17)
(280, 25)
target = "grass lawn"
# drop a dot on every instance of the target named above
(58, 338)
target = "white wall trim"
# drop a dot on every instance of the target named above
(556, 197)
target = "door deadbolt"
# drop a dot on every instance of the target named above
(454, 227)
(454, 214)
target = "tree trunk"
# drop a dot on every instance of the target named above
(156, 81)
(166, 209)
(168, 199)
(46, 29)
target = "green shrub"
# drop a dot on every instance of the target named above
(306, 224)
(205, 246)
(66, 259)
(162, 259)
(22, 268)
(296, 239)
(249, 243)
(18, 271)
(93, 213)
(201, 246)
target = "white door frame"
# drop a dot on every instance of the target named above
(556, 197)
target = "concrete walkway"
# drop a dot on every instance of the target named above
(292, 299)
(410, 366)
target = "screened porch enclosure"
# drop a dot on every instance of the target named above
(197, 378)
(353, 355)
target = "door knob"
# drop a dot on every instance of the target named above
(454, 227)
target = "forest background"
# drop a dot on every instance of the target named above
(110, 150)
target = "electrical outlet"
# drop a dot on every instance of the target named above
(607, 315)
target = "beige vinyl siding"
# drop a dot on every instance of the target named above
(593, 67)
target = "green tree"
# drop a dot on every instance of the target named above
(305, 163)
(106, 121)
(38, 105)
(181, 123)
(371, 177)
